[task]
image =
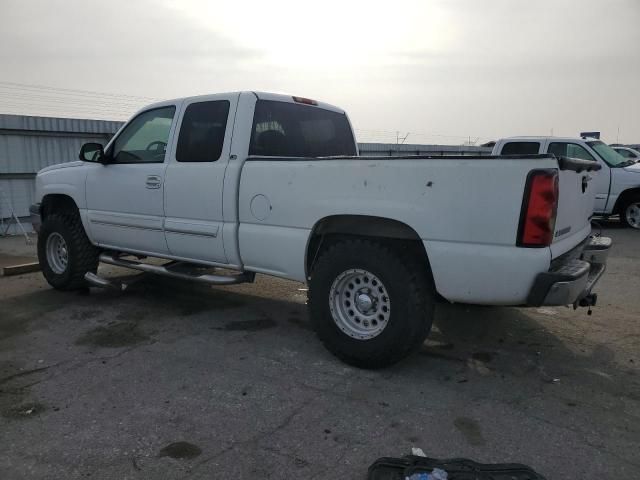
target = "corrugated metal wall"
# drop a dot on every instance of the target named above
(15, 195)
(28, 144)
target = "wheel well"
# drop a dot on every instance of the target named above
(58, 203)
(332, 229)
(624, 197)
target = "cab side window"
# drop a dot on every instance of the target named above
(144, 139)
(202, 131)
(572, 150)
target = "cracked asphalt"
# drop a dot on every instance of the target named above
(173, 380)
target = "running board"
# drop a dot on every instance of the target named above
(98, 281)
(163, 270)
(117, 284)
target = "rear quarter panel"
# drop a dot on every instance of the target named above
(466, 211)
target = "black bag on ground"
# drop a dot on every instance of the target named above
(388, 468)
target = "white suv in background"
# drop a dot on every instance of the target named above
(617, 183)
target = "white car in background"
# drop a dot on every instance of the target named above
(628, 152)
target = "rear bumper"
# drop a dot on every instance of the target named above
(36, 218)
(572, 279)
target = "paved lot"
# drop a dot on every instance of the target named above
(173, 380)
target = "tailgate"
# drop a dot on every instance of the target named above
(575, 203)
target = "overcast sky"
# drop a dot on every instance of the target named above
(444, 70)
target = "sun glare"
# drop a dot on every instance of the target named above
(331, 34)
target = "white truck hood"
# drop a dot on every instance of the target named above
(58, 166)
(635, 168)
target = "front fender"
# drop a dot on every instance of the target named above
(65, 181)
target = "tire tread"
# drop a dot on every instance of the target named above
(83, 255)
(421, 299)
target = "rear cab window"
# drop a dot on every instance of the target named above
(282, 129)
(520, 148)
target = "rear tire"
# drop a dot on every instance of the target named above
(630, 212)
(65, 252)
(363, 281)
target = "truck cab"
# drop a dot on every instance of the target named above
(617, 183)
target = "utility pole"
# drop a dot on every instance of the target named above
(398, 138)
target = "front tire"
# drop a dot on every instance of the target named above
(370, 304)
(65, 252)
(630, 214)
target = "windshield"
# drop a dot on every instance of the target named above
(608, 154)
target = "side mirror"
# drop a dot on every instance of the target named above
(92, 152)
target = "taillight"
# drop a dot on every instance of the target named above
(539, 209)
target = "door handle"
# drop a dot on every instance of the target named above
(154, 181)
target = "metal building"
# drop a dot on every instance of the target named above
(28, 144)
(392, 149)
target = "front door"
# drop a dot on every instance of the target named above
(194, 179)
(125, 197)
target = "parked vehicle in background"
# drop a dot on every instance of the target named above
(264, 183)
(628, 152)
(617, 184)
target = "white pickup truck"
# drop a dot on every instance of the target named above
(262, 183)
(616, 185)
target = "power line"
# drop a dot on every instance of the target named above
(393, 133)
(43, 100)
(67, 101)
(40, 104)
(59, 110)
(76, 92)
(398, 137)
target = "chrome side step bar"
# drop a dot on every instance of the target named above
(117, 284)
(97, 281)
(167, 271)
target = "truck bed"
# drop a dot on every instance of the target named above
(465, 209)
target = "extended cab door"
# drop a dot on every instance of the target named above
(194, 179)
(125, 196)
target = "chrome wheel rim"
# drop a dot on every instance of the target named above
(57, 253)
(359, 304)
(632, 214)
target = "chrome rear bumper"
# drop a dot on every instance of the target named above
(572, 280)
